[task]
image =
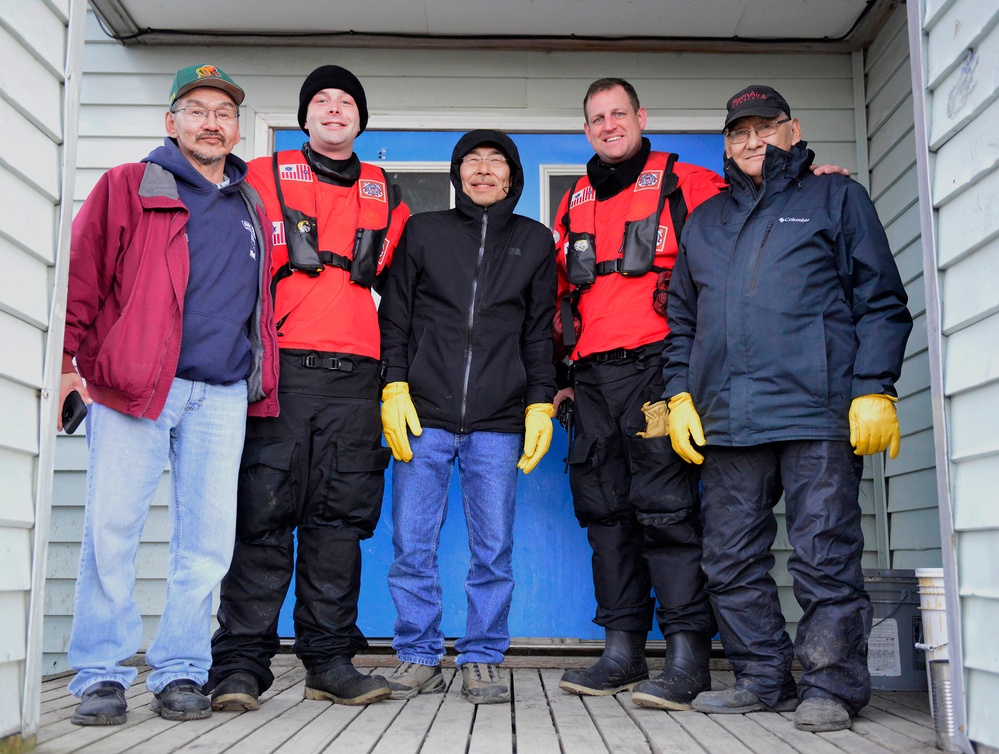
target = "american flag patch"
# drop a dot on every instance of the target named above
(298, 172)
(583, 195)
(277, 237)
(373, 190)
(648, 180)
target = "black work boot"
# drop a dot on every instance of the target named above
(181, 700)
(620, 667)
(103, 703)
(343, 684)
(237, 692)
(685, 675)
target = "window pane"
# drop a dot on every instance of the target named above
(423, 192)
(557, 186)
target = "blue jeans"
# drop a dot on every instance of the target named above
(487, 468)
(200, 432)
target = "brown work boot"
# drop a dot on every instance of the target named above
(481, 684)
(410, 678)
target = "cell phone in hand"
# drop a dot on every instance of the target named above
(73, 412)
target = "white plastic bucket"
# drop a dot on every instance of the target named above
(933, 608)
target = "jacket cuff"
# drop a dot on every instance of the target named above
(538, 394)
(67, 363)
(870, 386)
(394, 374)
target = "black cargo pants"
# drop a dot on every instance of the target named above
(318, 467)
(636, 498)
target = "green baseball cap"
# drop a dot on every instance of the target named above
(204, 75)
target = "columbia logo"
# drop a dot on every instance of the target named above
(794, 219)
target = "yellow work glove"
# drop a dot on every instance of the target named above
(684, 426)
(398, 413)
(656, 419)
(874, 425)
(537, 434)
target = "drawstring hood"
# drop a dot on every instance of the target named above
(501, 211)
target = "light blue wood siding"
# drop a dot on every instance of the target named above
(913, 529)
(32, 58)
(961, 50)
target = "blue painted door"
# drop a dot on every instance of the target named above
(554, 590)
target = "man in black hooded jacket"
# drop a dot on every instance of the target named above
(467, 356)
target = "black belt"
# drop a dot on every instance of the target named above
(642, 352)
(330, 363)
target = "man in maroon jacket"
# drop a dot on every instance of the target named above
(169, 337)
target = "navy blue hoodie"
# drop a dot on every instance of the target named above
(222, 288)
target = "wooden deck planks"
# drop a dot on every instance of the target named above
(616, 727)
(752, 735)
(322, 730)
(455, 728)
(709, 733)
(849, 741)
(902, 725)
(664, 733)
(576, 729)
(534, 730)
(541, 719)
(416, 716)
(492, 730)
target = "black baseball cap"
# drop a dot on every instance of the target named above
(756, 99)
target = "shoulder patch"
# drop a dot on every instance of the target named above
(277, 237)
(583, 195)
(373, 190)
(650, 179)
(297, 172)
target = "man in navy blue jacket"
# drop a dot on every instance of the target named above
(788, 327)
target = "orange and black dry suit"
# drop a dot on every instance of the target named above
(635, 496)
(319, 467)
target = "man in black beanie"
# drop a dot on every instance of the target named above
(319, 466)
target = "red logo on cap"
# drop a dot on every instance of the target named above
(208, 71)
(747, 97)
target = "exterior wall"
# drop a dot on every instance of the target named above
(912, 514)
(33, 39)
(124, 98)
(961, 54)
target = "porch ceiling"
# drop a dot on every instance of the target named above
(512, 24)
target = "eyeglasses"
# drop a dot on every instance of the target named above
(742, 135)
(494, 161)
(222, 114)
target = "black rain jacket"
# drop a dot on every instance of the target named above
(784, 305)
(467, 309)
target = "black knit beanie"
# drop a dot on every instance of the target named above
(332, 77)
